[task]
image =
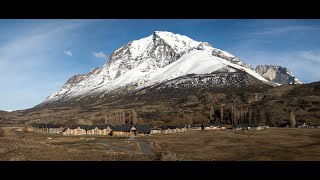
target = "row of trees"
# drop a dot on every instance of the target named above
(242, 114)
(121, 117)
(234, 115)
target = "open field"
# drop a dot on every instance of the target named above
(17, 144)
(270, 144)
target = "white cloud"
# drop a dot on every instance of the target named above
(99, 55)
(313, 56)
(34, 45)
(68, 53)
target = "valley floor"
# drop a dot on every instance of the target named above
(17, 144)
(270, 144)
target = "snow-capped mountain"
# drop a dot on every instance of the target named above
(277, 74)
(160, 57)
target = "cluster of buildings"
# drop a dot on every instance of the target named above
(121, 130)
(193, 127)
(88, 130)
(304, 125)
(251, 127)
(169, 129)
(130, 129)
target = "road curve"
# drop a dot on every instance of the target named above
(144, 146)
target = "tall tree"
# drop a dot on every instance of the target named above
(221, 114)
(134, 117)
(269, 117)
(250, 116)
(232, 116)
(187, 119)
(211, 113)
(123, 118)
(292, 119)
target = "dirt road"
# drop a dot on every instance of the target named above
(144, 146)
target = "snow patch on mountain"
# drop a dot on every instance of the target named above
(159, 57)
(196, 62)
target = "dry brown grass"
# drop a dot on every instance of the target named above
(271, 144)
(30, 146)
(16, 149)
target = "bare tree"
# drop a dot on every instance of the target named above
(250, 116)
(187, 119)
(292, 119)
(232, 116)
(134, 117)
(123, 118)
(211, 113)
(221, 113)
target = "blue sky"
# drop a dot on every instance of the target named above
(38, 56)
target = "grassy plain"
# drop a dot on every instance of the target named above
(228, 145)
(271, 144)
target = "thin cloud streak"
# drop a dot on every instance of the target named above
(313, 56)
(281, 30)
(68, 53)
(32, 51)
(100, 55)
(25, 60)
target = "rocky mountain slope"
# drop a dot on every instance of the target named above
(165, 104)
(149, 61)
(277, 74)
(168, 79)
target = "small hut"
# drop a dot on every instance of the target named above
(143, 129)
(124, 130)
(196, 127)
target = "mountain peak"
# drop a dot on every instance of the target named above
(166, 33)
(159, 57)
(176, 41)
(277, 74)
(162, 47)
